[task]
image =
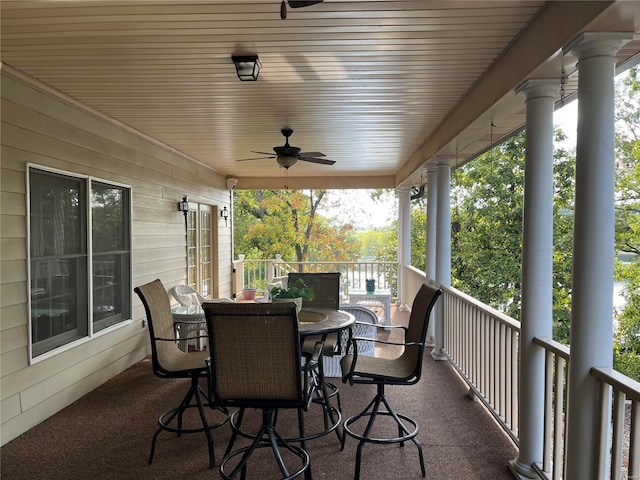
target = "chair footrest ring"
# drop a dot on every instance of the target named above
(408, 436)
(233, 421)
(174, 413)
(297, 451)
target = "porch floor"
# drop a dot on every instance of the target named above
(107, 435)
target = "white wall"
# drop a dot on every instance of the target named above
(43, 127)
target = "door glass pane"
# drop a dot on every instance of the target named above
(205, 253)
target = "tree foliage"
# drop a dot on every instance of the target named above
(627, 269)
(487, 214)
(287, 222)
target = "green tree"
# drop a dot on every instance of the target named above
(487, 207)
(627, 269)
(286, 222)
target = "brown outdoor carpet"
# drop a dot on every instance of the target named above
(107, 435)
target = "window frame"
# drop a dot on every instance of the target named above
(87, 224)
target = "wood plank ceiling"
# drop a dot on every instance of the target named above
(378, 86)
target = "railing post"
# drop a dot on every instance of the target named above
(404, 242)
(239, 275)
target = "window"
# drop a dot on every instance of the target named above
(200, 248)
(80, 258)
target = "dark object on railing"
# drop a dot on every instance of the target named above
(371, 285)
(403, 370)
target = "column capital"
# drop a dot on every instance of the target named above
(431, 168)
(539, 87)
(596, 44)
(444, 160)
(404, 188)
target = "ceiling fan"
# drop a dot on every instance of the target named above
(287, 156)
(295, 4)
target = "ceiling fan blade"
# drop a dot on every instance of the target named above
(257, 158)
(302, 155)
(303, 3)
(323, 161)
(264, 153)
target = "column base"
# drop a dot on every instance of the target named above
(430, 342)
(521, 471)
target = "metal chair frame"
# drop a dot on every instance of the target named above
(407, 370)
(168, 361)
(269, 385)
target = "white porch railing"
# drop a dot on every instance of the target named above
(483, 345)
(555, 408)
(256, 273)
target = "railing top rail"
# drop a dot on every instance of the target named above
(556, 347)
(620, 382)
(501, 317)
(322, 262)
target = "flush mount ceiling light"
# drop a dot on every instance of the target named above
(247, 67)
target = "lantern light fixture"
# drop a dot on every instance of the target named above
(183, 206)
(224, 213)
(247, 67)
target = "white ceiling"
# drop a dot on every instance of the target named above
(381, 87)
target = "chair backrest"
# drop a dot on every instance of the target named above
(255, 354)
(326, 288)
(421, 309)
(186, 295)
(165, 355)
(362, 314)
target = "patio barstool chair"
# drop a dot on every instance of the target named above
(256, 363)
(405, 369)
(168, 361)
(326, 288)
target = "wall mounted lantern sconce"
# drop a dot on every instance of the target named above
(247, 67)
(224, 213)
(183, 206)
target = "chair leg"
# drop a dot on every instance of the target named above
(372, 411)
(165, 419)
(235, 427)
(331, 415)
(267, 436)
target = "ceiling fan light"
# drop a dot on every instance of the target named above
(247, 67)
(285, 161)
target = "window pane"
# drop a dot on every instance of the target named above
(58, 216)
(58, 260)
(111, 254)
(58, 302)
